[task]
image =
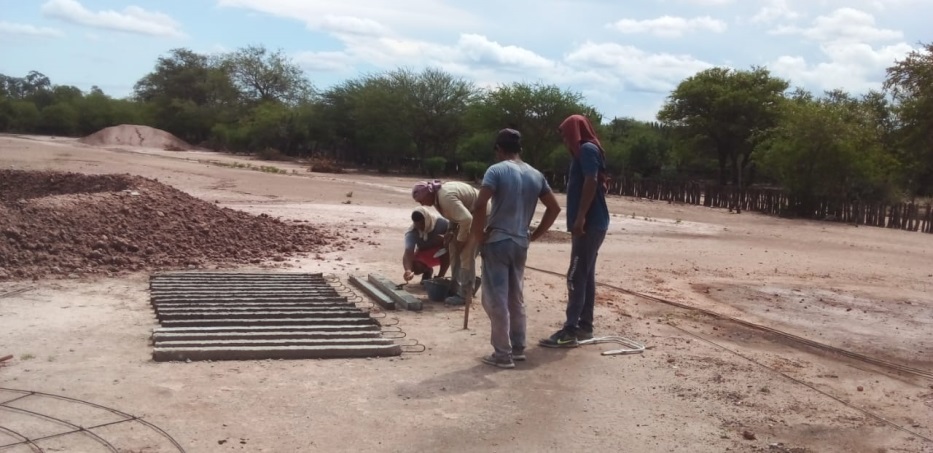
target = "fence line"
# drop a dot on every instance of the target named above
(903, 216)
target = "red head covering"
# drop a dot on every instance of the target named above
(576, 130)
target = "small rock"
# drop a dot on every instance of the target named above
(748, 435)
(860, 388)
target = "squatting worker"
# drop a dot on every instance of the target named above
(587, 220)
(424, 241)
(453, 200)
(514, 188)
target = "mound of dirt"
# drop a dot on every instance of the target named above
(71, 224)
(134, 135)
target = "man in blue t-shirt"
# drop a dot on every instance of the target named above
(423, 242)
(588, 221)
(514, 188)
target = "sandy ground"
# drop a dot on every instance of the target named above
(704, 385)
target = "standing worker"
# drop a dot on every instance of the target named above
(514, 188)
(588, 221)
(453, 200)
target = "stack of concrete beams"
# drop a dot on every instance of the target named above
(253, 316)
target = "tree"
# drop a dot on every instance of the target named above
(910, 83)
(636, 147)
(533, 109)
(727, 112)
(263, 76)
(433, 107)
(59, 119)
(187, 93)
(827, 149)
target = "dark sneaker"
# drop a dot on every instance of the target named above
(454, 300)
(518, 355)
(498, 362)
(563, 338)
(583, 334)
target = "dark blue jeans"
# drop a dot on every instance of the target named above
(581, 280)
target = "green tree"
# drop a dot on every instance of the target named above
(535, 110)
(264, 76)
(827, 149)
(727, 112)
(432, 109)
(59, 119)
(187, 93)
(910, 83)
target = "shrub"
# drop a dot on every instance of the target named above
(434, 165)
(272, 154)
(474, 170)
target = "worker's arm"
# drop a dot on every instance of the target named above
(408, 257)
(589, 161)
(552, 209)
(455, 211)
(479, 214)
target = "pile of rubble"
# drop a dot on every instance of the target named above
(71, 224)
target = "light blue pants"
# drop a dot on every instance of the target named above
(503, 275)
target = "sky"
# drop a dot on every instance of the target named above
(624, 56)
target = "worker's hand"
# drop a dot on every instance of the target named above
(578, 227)
(408, 275)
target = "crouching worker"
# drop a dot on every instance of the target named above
(423, 242)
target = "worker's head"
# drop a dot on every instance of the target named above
(508, 144)
(417, 218)
(425, 192)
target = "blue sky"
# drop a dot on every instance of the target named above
(624, 56)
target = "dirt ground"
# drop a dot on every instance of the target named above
(705, 385)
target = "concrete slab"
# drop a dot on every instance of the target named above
(401, 297)
(263, 322)
(159, 338)
(281, 352)
(381, 298)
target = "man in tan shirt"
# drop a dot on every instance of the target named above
(453, 201)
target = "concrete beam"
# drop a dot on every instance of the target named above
(401, 297)
(238, 322)
(281, 352)
(161, 337)
(383, 300)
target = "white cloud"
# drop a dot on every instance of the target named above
(480, 50)
(352, 25)
(132, 19)
(843, 25)
(420, 14)
(657, 72)
(708, 2)
(669, 26)
(852, 60)
(854, 67)
(14, 29)
(774, 10)
(328, 61)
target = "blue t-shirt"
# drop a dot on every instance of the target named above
(516, 188)
(413, 236)
(587, 163)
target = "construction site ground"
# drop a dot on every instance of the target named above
(704, 384)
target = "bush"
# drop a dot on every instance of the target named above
(321, 165)
(474, 170)
(272, 154)
(434, 165)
